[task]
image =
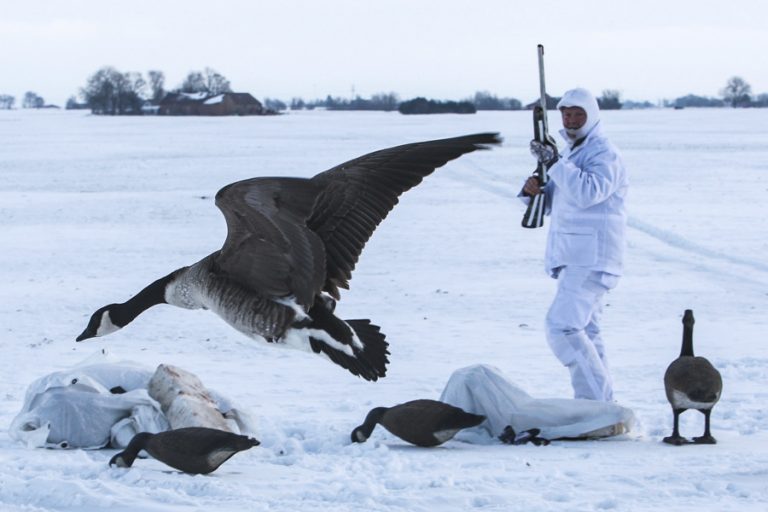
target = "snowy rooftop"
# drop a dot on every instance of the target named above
(193, 96)
(214, 100)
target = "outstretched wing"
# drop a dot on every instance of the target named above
(357, 195)
(269, 248)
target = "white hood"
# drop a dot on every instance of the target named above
(580, 97)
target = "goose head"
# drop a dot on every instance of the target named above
(105, 320)
(114, 317)
(361, 433)
(126, 458)
(118, 461)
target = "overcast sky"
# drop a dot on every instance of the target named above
(445, 49)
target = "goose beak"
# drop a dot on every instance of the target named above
(84, 336)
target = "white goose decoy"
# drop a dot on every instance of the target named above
(291, 244)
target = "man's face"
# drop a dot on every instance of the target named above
(573, 117)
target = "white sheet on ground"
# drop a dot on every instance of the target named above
(482, 389)
(98, 403)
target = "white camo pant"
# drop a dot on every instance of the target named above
(573, 330)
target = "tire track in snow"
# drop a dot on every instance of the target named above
(481, 178)
(678, 242)
(493, 183)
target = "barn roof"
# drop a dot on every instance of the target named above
(238, 98)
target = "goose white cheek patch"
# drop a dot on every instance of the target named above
(106, 326)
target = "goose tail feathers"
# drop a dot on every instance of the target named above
(364, 354)
(375, 347)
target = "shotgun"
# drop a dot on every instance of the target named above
(534, 214)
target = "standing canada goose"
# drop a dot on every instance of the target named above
(691, 383)
(291, 244)
(195, 450)
(421, 422)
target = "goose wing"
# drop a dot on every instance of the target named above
(268, 246)
(434, 415)
(199, 441)
(357, 195)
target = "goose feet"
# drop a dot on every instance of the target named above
(676, 440)
(680, 440)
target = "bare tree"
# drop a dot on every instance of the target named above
(6, 101)
(208, 81)
(484, 100)
(100, 91)
(131, 90)
(385, 101)
(215, 82)
(610, 100)
(737, 92)
(32, 100)
(109, 91)
(156, 85)
(195, 82)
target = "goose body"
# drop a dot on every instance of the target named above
(195, 450)
(691, 382)
(291, 244)
(424, 423)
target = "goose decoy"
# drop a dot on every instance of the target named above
(691, 382)
(421, 422)
(291, 244)
(195, 450)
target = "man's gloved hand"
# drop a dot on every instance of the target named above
(542, 152)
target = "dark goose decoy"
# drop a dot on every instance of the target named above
(691, 382)
(424, 423)
(291, 244)
(195, 450)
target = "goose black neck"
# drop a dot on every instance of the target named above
(373, 417)
(151, 295)
(688, 321)
(131, 451)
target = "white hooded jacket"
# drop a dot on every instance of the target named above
(585, 197)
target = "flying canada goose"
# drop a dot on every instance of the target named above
(691, 383)
(195, 450)
(291, 244)
(421, 422)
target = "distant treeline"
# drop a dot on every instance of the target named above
(31, 100)
(425, 106)
(482, 100)
(389, 102)
(109, 91)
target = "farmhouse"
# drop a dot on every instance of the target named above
(203, 104)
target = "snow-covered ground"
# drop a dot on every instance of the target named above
(94, 208)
